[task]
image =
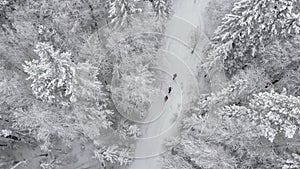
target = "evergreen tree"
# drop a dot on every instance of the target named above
(45, 125)
(127, 129)
(113, 154)
(51, 75)
(274, 113)
(133, 96)
(280, 60)
(215, 11)
(90, 103)
(162, 8)
(251, 26)
(234, 140)
(222, 144)
(120, 11)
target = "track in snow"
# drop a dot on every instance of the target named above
(175, 57)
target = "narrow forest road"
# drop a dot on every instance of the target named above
(175, 57)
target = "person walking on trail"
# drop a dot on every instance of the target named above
(166, 98)
(170, 89)
(174, 76)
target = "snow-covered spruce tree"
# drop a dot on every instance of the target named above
(44, 125)
(13, 88)
(290, 81)
(224, 144)
(113, 154)
(235, 140)
(105, 70)
(238, 91)
(132, 85)
(68, 21)
(211, 141)
(252, 25)
(120, 11)
(162, 8)
(241, 87)
(90, 103)
(215, 11)
(133, 96)
(127, 129)
(279, 57)
(273, 112)
(51, 75)
(96, 119)
(292, 162)
(280, 60)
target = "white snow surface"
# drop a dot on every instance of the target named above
(175, 57)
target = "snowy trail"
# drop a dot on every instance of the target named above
(175, 57)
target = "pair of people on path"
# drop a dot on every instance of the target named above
(170, 88)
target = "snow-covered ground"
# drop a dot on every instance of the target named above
(175, 57)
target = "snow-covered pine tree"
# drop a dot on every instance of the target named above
(3, 3)
(162, 8)
(291, 81)
(281, 62)
(90, 103)
(224, 144)
(44, 124)
(229, 142)
(127, 129)
(133, 95)
(241, 87)
(252, 25)
(113, 154)
(215, 11)
(51, 75)
(291, 162)
(105, 70)
(120, 11)
(273, 112)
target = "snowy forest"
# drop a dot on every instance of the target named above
(149, 84)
